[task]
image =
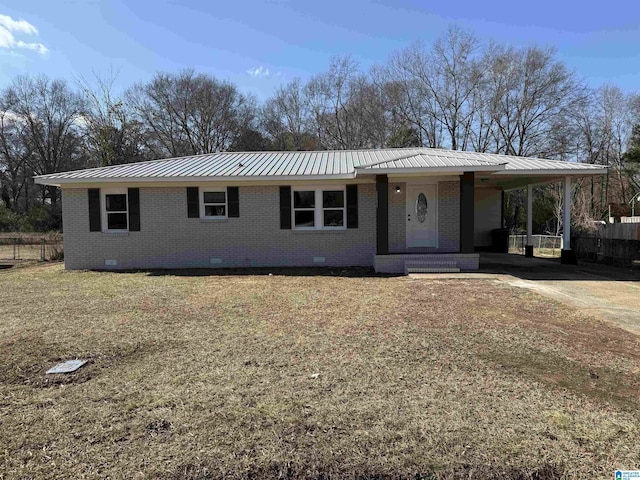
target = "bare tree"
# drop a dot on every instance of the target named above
(51, 115)
(409, 100)
(346, 109)
(286, 118)
(14, 157)
(190, 113)
(532, 96)
(436, 89)
(632, 159)
(112, 134)
(604, 121)
(453, 78)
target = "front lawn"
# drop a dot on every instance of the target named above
(301, 376)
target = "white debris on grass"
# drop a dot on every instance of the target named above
(67, 366)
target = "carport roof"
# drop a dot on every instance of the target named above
(316, 165)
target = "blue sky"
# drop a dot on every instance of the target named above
(278, 40)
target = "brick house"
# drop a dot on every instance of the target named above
(393, 209)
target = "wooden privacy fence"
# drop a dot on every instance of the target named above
(18, 247)
(617, 243)
(619, 231)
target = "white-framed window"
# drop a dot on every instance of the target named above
(319, 208)
(115, 210)
(213, 203)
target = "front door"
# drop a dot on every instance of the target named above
(422, 215)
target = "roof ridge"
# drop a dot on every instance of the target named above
(387, 160)
(480, 161)
(448, 153)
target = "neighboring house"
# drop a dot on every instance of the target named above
(398, 210)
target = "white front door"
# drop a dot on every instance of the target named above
(422, 215)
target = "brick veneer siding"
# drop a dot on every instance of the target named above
(168, 239)
(448, 219)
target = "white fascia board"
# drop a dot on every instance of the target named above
(564, 172)
(58, 182)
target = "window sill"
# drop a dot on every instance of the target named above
(214, 220)
(319, 230)
(122, 233)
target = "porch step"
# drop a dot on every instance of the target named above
(430, 266)
(431, 270)
(409, 262)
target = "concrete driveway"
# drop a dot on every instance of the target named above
(610, 293)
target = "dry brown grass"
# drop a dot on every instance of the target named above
(245, 376)
(20, 252)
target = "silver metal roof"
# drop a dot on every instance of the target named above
(525, 164)
(434, 160)
(314, 165)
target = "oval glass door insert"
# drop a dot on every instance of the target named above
(421, 207)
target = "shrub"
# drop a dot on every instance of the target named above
(55, 249)
(9, 220)
(42, 218)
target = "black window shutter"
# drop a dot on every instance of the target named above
(133, 195)
(285, 208)
(352, 206)
(94, 210)
(233, 200)
(193, 202)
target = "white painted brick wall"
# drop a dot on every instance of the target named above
(168, 239)
(448, 219)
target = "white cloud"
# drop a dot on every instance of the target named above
(36, 47)
(20, 26)
(259, 72)
(9, 26)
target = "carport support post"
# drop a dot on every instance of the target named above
(528, 249)
(382, 215)
(567, 256)
(467, 212)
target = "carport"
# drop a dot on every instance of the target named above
(520, 174)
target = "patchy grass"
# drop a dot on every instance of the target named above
(297, 376)
(28, 246)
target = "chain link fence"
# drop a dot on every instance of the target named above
(548, 246)
(22, 247)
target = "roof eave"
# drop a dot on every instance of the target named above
(58, 182)
(498, 170)
(556, 171)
